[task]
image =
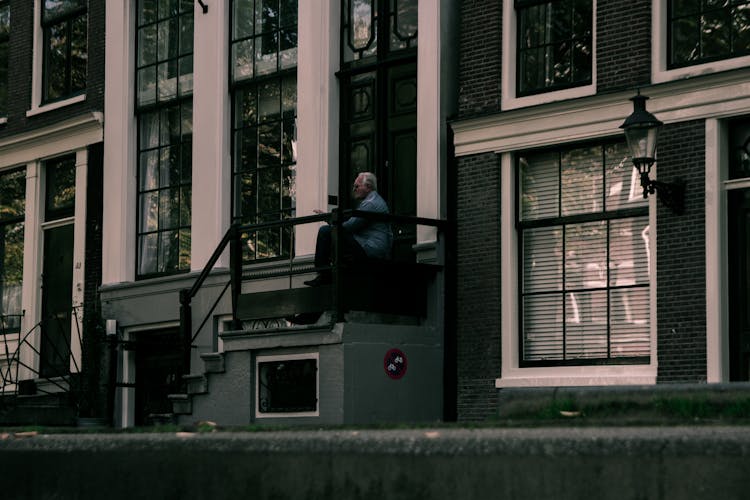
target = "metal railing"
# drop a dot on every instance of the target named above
(35, 361)
(233, 239)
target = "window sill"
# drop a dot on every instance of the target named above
(508, 103)
(571, 376)
(38, 110)
(661, 74)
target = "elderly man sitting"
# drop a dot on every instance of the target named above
(360, 237)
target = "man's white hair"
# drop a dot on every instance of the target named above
(369, 180)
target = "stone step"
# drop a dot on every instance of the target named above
(182, 404)
(213, 362)
(196, 383)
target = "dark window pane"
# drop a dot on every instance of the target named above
(57, 42)
(60, 187)
(287, 386)
(55, 9)
(708, 31)
(12, 195)
(4, 19)
(264, 42)
(78, 54)
(554, 45)
(3, 77)
(65, 51)
(165, 173)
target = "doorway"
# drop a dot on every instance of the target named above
(379, 135)
(739, 285)
(159, 366)
(57, 301)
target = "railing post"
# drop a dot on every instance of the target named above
(235, 272)
(336, 272)
(186, 326)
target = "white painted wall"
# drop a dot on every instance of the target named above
(211, 134)
(119, 184)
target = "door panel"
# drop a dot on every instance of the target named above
(158, 373)
(739, 285)
(57, 301)
(379, 135)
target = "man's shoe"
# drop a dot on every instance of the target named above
(305, 318)
(319, 280)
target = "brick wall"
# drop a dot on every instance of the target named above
(680, 253)
(20, 60)
(95, 352)
(478, 285)
(623, 44)
(480, 45)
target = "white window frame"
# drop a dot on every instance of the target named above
(660, 57)
(509, 99)
(287, 357)
(38, 69)
(512, 375)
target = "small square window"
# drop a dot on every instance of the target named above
(287, 385)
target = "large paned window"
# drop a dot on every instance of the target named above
(65, 24)
(379, 104)
(702, 31)
(554, 47)
(584, 258)
(4, 48)
(164, 104)
(12, 210)
(264, 103)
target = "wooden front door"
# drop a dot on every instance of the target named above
(57, 301)
(739, 285)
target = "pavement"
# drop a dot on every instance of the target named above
(561, 462)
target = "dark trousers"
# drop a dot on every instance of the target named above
(351, 250)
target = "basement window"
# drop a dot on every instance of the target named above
(287, 385)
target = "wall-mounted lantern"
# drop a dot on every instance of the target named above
(642, 131)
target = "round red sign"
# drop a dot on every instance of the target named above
(394, 363)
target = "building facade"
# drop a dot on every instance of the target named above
(51, 133)
(568, 276)
(226, 114)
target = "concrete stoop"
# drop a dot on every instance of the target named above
(197, 383)
(634, 402)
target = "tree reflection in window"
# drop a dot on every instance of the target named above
(4, 48)
(707, 30)
(12, 212)
(554, 44)
(264, 99)
(164, 74)
(65, 26)
(60, 187)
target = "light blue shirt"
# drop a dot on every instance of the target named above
(375, 238)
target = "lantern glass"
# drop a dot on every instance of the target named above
(642, 141)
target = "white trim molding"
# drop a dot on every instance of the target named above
(717, 309)
(722, 95)
(53, 140)
(119, 177)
